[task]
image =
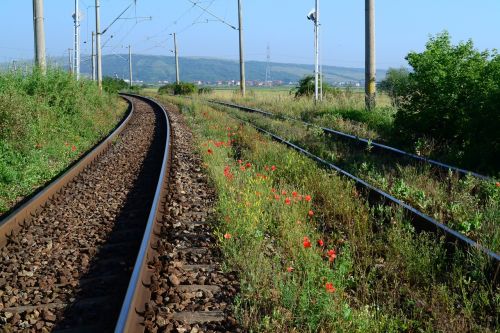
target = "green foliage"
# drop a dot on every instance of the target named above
(453, 97)
(113, 85)
(395, 84)
(205, 91)
(182, 88)
(306, 87)
(46, 122)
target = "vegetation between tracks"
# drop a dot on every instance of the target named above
(469, 205)
(312, 256)
(46, 122)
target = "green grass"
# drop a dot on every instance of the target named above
(387, 277)
(468, 205)
(46, 122)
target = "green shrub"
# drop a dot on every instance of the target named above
(113, 85)
(205, 91)
(453, 97)
(395, 84)
(306, 87)
(183, 88)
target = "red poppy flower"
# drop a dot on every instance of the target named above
(227, 235)
(498, 184)
(307, 198)
(329, 287)
(73, 148)
(240, 161)
(311, 213)
(283, 192)
(331, 255)
(266, 168)
(277, 197)
(273, 168)
(248, 165)
(306, 243)
(295, 194)
(273, 190)
(290, 269)
(287, 201)
(321, 243)
(242, 168)
(209, 151)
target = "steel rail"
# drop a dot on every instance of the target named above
(14, 220)
(358, 139)
(138, 293)
(419, 220)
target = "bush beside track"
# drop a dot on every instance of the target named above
(47, 122)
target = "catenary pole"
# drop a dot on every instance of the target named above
(242, 60)
(92, 57)
(70, 61)
(98, 44)
(370, 79)
(316, 52)
(130, 65)
(177, 75)
(76, 61)
(40, 59)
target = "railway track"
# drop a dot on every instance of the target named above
(86, 254)
(362, 141)
(375, 195)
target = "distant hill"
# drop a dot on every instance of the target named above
(152, 69)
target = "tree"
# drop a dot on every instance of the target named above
(453, 97)
(395, 84)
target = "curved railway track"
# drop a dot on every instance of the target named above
(375, 195)
(375, 145)
(99, 248)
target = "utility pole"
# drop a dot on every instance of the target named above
(92, 59)
(76, 61)
(98, 44)
(40, 60)
(70, 61)
(177, 75)
(130, 65)
(242, 60)
(370, 80)
(268, 81)
(316, 52)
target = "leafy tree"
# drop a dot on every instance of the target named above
(453, 97)
(306, 87)
(394, 84)
(113, 85)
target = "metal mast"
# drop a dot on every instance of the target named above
(76, 58)
(40, 60)
(177, 74)
(370, 80)
(316, 52)
(242, 60)
(98, 44)
(268, 67)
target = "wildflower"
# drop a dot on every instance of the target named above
(227, 172)
(294, 194)
(227, 235)
(287, 201)
(329, 287)
(321, 243)
(306, 243)
(248, 165)
(498, 184)
(290, 269)
(273, 190)
(209, 151)
(66, 144)
(273, 168)
(283, 192)
(266, 168)
(240, 162)
(307, 198)
(276, 196)
(331, 255)
(311, 213)
(242, 168)
(73, 148)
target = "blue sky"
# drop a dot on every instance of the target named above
(401, 26)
